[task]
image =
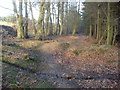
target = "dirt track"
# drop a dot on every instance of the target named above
(78, 71)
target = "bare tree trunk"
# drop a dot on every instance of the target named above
(58, 25)
(95, 31)
(62, 16)
(26, 21)
(53, 18)
(33, 21)
(66, 9)
(74, 29)
(98, 22)
(109, 29)
(15, 9)
(75, 21)
(40, 21)
(16, 12)
(20, 32)
(90, 30)
(48, 20)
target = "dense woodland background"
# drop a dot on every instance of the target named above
(69, 45)
(96, 19)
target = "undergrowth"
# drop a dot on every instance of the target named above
(64, 46)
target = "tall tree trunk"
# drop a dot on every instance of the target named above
(20, 32)
(48, 20)
(109, 30)
(74, 29)
(47, 30)
(67, 17)
(95, 29)
(115, 33)
(76, 22)
(15, 12)
(40, 21)
(62, 16)
(98, 22)
(26, 21)
(33, 20)
(15, 9)
(58, 25)
(51, 26)
(53, 18)
(90, 30)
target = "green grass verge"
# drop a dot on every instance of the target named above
(64, 46)
(20, 57)
(15, 78)
(113, 61)
(102, 51)
(77, 52)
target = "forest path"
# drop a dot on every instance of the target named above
(49, 52)
(68, 61)
(77, 71)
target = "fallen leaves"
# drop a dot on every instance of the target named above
(70, 57)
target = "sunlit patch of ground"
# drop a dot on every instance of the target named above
(98, 58)
(6, 23)
(29, 44)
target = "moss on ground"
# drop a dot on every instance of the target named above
(113, 61)
(16, 78)
(64, 46)
(20, 57)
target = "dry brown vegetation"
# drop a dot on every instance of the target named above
(68, 61)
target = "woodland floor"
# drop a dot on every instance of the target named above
(62, 62)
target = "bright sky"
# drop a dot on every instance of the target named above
(6, 8)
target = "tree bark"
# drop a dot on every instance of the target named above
(20, 32)
(62, 16)
(33, 21)
(58, 25)
(98, 22)
(40, 21)
(109, 30)
(26, 20)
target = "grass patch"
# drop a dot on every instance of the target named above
(95, 45)
(45, 85)
(29, 44)
(108, 46)
(92, 50)
(30, 58)
(20, 57)
(16, 78)
(77, 52)
(64, 46)
(113, 61)
(102, 51)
